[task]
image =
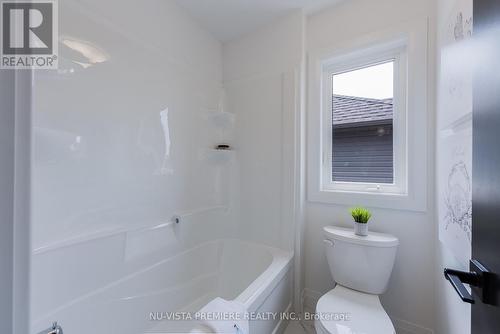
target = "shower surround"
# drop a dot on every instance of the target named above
(133, 210)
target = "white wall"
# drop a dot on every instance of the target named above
(261, 78)
(7, 124)
(109, 168)
(410, 297)
(452, 315)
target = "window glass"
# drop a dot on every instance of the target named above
(362, 125)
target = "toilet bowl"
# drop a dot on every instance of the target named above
(361, 268)
(343, 310)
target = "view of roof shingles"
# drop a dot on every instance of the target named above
(355, 110)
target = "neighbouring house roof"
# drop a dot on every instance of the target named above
(349, 110)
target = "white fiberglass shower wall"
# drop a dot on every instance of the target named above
(129, 199)
(121, 142)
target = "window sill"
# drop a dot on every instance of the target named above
(385, 200)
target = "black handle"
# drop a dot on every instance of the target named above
(454, 277)
(480, 279)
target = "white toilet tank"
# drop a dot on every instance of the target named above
(360, 263)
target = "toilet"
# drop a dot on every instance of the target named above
(361, 268)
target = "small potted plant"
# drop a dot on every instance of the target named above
(361, 217)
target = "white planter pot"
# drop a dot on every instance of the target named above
(361, 229)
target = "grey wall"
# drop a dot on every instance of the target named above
(6, 197)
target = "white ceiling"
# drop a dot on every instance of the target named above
(228, 19)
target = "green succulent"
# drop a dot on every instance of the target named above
(360, 215)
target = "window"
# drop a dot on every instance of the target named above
(353, 158)
(364, 113)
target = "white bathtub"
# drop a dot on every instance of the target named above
(256, 275)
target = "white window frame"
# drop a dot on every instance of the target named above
(354, 61)
(413, 36)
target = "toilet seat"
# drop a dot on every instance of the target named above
(346, 311)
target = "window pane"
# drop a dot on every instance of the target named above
(362, 110)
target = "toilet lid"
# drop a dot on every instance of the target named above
(346, 311)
